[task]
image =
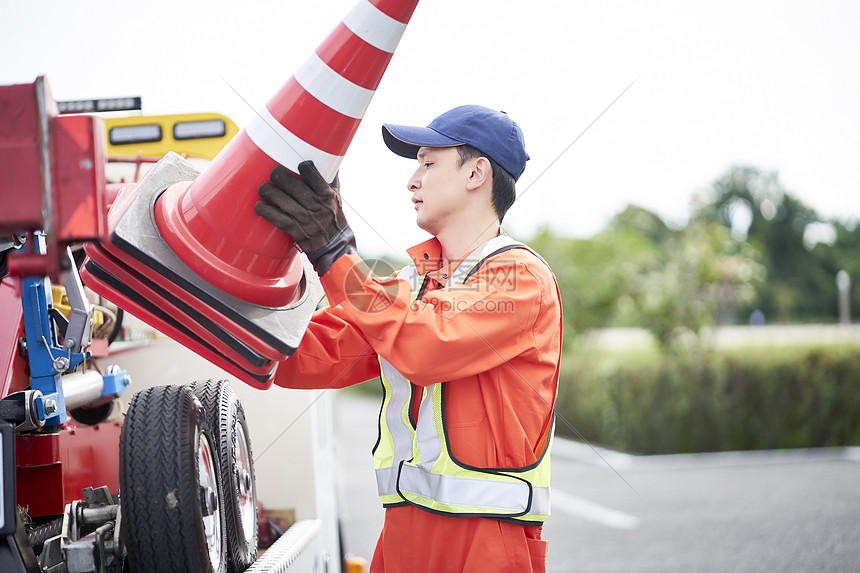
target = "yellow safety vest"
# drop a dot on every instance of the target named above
(413, 458)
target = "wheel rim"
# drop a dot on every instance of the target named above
(210, 508)
(245, 484)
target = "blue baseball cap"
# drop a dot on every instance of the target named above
(491, 132)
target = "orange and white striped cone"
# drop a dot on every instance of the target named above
(210, 224)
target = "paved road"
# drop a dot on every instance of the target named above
(795, 511)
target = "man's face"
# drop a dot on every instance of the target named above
(438, 187)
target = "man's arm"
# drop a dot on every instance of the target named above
(332, 354)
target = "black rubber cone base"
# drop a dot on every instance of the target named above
(126, 296)
(106, 268)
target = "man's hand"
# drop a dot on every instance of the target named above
(310, 211)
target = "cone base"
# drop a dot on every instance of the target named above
(159, 288)
(145, 294)
(169, 323)
(166, 283)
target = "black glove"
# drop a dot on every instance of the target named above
(308, 210)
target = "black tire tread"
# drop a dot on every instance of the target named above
(223, 411)
(158, 475)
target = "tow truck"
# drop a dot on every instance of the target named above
(81, 469)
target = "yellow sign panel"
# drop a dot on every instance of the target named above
(200, 135)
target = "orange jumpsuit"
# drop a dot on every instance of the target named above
(496, 341)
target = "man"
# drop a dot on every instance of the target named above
(466, 340)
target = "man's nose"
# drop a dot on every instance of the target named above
(414, 183)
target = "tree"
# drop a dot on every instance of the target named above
(755, 207)
(638, 272)
(592, 274)
(702, 276)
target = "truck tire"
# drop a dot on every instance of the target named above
(169, 494)
(226, 418)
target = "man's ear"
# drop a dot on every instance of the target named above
(480, 174)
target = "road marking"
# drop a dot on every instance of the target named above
(573, 450)
(592, 511)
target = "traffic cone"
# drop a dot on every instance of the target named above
(185, 246)
(211, 224)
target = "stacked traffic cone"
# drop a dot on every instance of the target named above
(187, 253)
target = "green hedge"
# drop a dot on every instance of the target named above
(758, 398)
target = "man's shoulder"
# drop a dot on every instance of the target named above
(520, 259)
(519, 253)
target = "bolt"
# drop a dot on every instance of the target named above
(61, 364)
(208, 500)
(50, 407)
(243, 481)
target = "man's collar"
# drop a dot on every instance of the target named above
(427, 256)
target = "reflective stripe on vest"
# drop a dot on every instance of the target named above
(413, 459)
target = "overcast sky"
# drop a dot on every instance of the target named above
(774, 84)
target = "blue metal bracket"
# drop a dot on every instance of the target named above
(48, 359)
(115, 382)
